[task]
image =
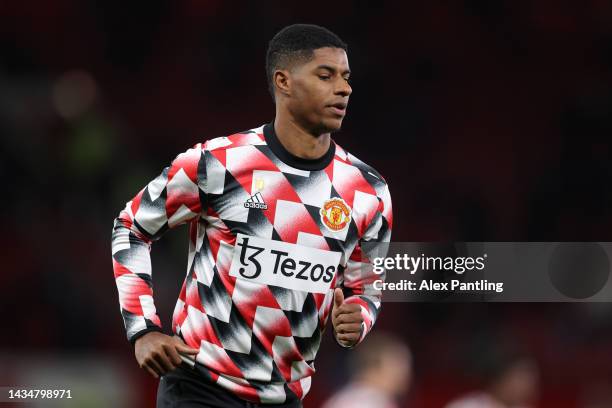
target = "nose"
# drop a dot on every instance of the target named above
(343, 88)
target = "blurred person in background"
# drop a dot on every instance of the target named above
(274, 243)
(381, 375)
(597, 395)
(510, 378)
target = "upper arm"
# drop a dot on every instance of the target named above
(172, 198)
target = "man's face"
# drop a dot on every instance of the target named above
(320, 90)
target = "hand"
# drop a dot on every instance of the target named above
(347, 320)
(158, 353)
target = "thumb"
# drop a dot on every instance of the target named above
(338, 297)
(184, 348)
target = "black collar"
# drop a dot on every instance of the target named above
(297, 162)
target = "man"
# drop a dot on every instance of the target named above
(278, 217)
(381, 375)
(510, 378)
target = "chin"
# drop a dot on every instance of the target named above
(327, 124)
(332, 125)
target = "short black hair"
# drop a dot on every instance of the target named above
(297, 42)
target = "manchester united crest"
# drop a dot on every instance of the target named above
(335, 214)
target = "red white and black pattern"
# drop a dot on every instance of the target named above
(258, 341)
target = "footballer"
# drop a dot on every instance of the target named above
(279, 219)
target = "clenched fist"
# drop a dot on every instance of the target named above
(159, 353)
(347, 320)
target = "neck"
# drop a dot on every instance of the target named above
(299, 141)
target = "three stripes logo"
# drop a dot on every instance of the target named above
(256, 201)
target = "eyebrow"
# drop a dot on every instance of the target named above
(333, 70)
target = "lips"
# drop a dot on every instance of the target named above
(338, 108)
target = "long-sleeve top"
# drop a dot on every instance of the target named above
(270, 237)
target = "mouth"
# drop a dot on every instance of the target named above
(338, 108)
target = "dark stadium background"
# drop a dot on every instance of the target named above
(491, 121)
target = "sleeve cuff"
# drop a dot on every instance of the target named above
(141, 333)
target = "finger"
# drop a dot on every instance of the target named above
(349, 328)
(347, 343)
(335, 312)
(173, 355)
(349, 318)
(338, 297)
(355, 316)
(352, 311)
(349, 308)
(151, 371)
(352, 329)
(151, 364)
(344, 314)
(348, 337)
(162, 359)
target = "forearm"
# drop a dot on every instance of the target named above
(132, 270)
(358, 279)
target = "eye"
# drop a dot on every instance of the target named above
(347, 79)
(324, 77)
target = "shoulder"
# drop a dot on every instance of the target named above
(244, 138)
(196, 156)
(369, 173)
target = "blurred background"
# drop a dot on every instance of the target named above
(491, 121)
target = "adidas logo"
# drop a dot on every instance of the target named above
(256, 201)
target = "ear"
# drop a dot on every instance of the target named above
(282, 81)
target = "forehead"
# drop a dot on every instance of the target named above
(328, 56)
